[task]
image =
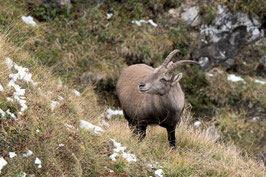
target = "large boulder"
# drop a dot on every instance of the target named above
(222, 40)
(191, 16)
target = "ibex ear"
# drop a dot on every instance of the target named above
(177, 78)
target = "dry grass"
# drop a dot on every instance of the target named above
(85, 154)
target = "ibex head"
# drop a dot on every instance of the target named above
(163, 77)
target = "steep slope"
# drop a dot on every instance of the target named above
(47, 124)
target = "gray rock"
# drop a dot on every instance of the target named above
(226, 36)
(191, 16)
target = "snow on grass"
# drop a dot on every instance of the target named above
(9, 63)
(104, 123)
(90, 127)
(110, 112)
(120, 150)
(29, 20)
(138, 22)
(159, 173)
(9, 99)
(109, 15)
(234, 78)
(256, 118)
(197, 123)
(12, 155)
(1, 88)
(110, 171)
(2, 112)
(210, 74)
(27, 154)
(22, 74)
(2, 163)
(60, 98)
(260, 82)
(53, 105)
(11, 114)
(38, 162)
(77, 93)
(61, 145)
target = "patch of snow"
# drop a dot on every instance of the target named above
(150, 165)
(29, 20)
(197, 123)
(22, 74)
(113, 156)
(28, 153)
(9, 63)
(234, 78)
(159, 173)
(109, 15)
(12, 155)
(90, 127)
(1, 88)
(38, 162)
(256, 118)
(111, 171)
(138, 22)
(110, 112)
(260, 82)
(11, 114)
(104, 123)
(53, 104)
(9, 99)
(2, 163)
(120, 150)
(77, 93)
(152, 23)
(60, 98)
(61, 145)
(210, 74)
(2, 112)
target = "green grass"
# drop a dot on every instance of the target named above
(66, 45)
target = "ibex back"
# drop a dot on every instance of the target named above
(152, 96)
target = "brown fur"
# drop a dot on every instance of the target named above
(141, 109)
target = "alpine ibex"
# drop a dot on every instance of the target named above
(152, 96)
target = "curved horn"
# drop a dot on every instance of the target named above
(180, 63)
(169, 57)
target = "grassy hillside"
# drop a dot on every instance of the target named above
(41, 129)
(61, 50)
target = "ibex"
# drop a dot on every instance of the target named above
(152, 96)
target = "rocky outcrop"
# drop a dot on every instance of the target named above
(222, 40)
(191, 16)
